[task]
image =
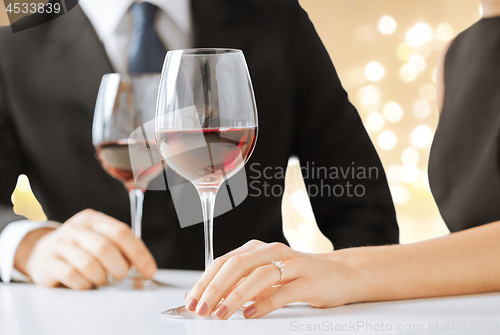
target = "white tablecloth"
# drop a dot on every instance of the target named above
(29, 310)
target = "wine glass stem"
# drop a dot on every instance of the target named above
(208, 205)
(136, 202)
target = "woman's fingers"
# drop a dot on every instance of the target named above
(86, 264)
(193, 296)
(232, 271)
(258, 281)
(296, 290)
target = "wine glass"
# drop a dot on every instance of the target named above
(206, 125)
(123, 136)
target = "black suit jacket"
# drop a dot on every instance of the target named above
(49, 78)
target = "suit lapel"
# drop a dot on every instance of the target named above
(78, 59)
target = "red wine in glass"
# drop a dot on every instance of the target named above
(115, 159)
(208, 155)
(205, 126)
(121, 134)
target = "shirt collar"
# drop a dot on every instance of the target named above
(106, 15)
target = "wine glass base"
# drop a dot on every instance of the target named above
(134, 281)
(183, 313)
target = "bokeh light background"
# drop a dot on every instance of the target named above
(386, 53)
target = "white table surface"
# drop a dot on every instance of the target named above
(26, 309)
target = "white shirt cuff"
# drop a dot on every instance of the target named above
(10, 238)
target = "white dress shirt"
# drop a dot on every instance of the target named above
(113, 23)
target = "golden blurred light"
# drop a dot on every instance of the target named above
(374, 71)
(434, 75)
(23, 184)
(291, 235)
(408, 73)
(308, 214)
(418, 35)
(426, 181)
(375, 121)
(296, 241)
(426, 50)
(303, 246)
(421, 136)
(387, 140)
(306, 231)
(299, 200)
(422, 181)
(409, 173)
(369, 95)
(427, 92)
(400, 194)
(410, 156)
(387, 25)
(356, 77)
(392, 111)
(367, 34)
(481, 10)
(421, 109)
(444, 32)
(24, 201)
(394, 174)
(293, 161)
(418, 62)
(404, 52)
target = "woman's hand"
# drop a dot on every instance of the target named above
(246, 274)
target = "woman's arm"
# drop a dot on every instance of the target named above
(459, 263)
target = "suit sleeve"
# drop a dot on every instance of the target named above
(351, 200)
(10, 156)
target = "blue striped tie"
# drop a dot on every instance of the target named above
(146, 50)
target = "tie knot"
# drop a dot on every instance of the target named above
(143, 14)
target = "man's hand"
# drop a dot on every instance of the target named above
(82, 251)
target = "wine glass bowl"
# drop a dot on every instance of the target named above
(114, 157)
(223, 153)
(123, 136)
(206, 125)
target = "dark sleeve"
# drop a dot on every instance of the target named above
(10, 154)
(350, 209)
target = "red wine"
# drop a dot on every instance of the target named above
(207, 156)
(135, 172)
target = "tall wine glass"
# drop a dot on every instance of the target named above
(123, 135)
(206, 125)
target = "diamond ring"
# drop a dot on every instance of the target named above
(279, 265)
